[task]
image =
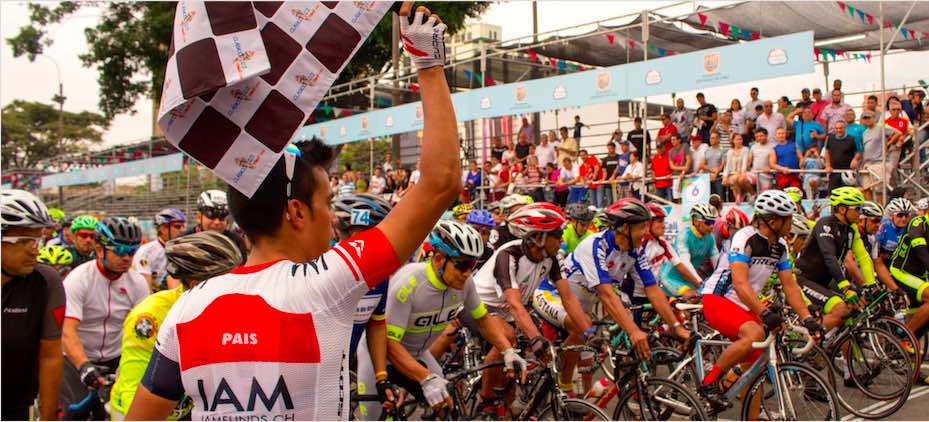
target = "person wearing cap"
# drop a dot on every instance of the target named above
(818, 105)
(873, 155)
(805, 100)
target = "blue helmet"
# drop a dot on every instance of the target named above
(118, 230)
(169, 215)
(363, 209)
(481, 218)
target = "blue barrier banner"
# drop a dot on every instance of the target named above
(750, 61)
(163, 164)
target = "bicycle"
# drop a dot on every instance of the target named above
(95, 405)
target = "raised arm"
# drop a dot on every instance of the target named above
(413, 217)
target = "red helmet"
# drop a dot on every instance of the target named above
(656, 210)
(540, 217)
(736, 218)
(627, 211)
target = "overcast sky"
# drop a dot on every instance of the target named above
(38, 81)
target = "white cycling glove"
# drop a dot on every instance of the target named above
(434, 389)
(512, 360)
(424, 41)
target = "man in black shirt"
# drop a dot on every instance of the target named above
(33, 309)
(522, 149)
(706, 116)
(805, 100)
(497, 149)
(578, 125)
(842, 153)
(610, 162)
(638, 137)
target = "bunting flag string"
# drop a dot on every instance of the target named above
(827, 53)
(479, 77)
(552, 62)
(633, 44)
(853, 12)
(727, 29)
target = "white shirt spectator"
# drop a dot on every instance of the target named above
(414, 176)
(738, 121)
(750, 105)
(683, 120)
(545, 154)
(698, 154)
(771, 123)
(635, 170)
(377, 185)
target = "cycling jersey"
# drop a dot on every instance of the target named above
(101, 304)
(570, 238)
(33, 308)
(420, 306)
(910, 262)
(750, 247)
(660, 254)
(888, 236)
(370, 307)
(697, 249)
(598, 260)
(821, 258)
(77, 259)
(270, 341)
(139, 332)
(150, 260)
(511, 268)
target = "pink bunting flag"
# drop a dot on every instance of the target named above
(581, 68)
(488, 81)
(702, 19)
(553, 62)
(816, 52)
(870, 19)
(724, 28)
(611, 38)
(533, 55)
(912, 33)
(841, 5)
(414, 88)
(840, 52)
(632, 43)
(868, 57)
(756, 36)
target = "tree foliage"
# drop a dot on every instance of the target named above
(357, 155)
(129, 45)
(30, 133)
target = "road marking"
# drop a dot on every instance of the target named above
(914, 393)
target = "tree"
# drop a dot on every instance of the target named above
(30, 133)
(129, 45)
(357, 155)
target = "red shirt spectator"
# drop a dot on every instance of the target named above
(898, 123)
(661, 166)
(590, 168)
(667, 130)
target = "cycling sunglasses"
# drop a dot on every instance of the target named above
(27, 241)
(121, 249)
(709, 222)
(902, 214)
(214, 213)
(464, 265)
(85, 235)
(178, 226)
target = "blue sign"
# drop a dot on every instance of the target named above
(157, 165)
(762, 59)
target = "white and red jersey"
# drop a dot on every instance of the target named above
(270, 341)
(101, 305)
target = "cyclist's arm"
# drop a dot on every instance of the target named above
(739, 271)
(917, 231)
(852, 271)
(376, 336)
(826, 242)
(399, 312)
(863, 258)
(71, 343)
(685, 270)
(51, 363)
(492, 333)
(405, 362)
(519, 313)
(412, 219)
(883, 274)
(792, 291)
(161, 387)
(614, 307)
(147, 406)
(660, 302)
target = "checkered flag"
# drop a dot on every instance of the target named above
(243, 77)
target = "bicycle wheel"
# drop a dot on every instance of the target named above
(665, 400)
(573, 410)
(806, 396)
(876, 362)
(908, 340)
(666, 360)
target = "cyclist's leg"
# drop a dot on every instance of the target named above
(73, 389)
(834, 308)
(917, 291)
(366, 381)
(492, 377)
(737, 324)
(575, 337)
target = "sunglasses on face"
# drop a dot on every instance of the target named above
(178, 226)
(464, 265)
(123, 250)
(215, 214)
(902, 215)
(709, 222)
(556, 233)
(27, 241)
(85, 235)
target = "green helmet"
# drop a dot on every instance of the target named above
(846, 195)
(54, 255)
(84, 222)
(794, 193)
(56, 214)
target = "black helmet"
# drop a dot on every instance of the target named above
(118, 230)
(362, 209)
(201, 255)
(626, 211)
(579, 212)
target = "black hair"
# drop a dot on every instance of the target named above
(700, 94)
(261, 214)
(637, 120)
(762, 130)
(564, 128)
(754, 88)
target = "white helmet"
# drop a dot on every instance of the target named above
(800, 226)
(456, 239)
(212, 198)
(849, 178)
(872, 209)
(23, 209)
(923, 204)
(899, 206)
(775, 202)
(703, 212)
(513, 200)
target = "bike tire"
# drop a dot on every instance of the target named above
(873, 352)
(573, 410)
(665, 360)
(674, 398)
(900, 330)
(812, 385)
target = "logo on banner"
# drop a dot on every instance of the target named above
(777, 56)
(322, 131)
(419, 112)
(185, 21)
(364, 122)
(246, 163)
(711, 63)
(389, 121)
(652, 77)
(360, 217)
(241, 96)
(485, 103)
(522, 93)
(342, 131)
(242, 57)
(604, 81)
(559, 93)
(302, 15)
(308, 80)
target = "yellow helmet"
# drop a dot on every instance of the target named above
(846, 195)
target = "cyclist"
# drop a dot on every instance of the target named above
(56, 257)
(602, 261)
(281, 324)
(507, 206)
(819, 266)
(422, 300)
(212, 214)
(922, 205)
(483, 222)
(699, 249)
(99, 295)
(355, 214)
(54, 236)
(460, 212)
(868, 229)
(33, 305)
(909, 266)
(733, 220)
(83, 229)
(509, 282)
(659, 253)
(578, 228)
(899, 211)
(150, 260)
(730, 296)
(189, 260)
